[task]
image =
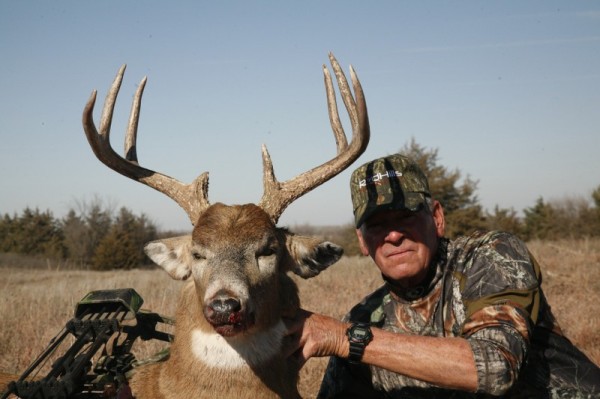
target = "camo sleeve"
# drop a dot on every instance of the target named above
(500, 293)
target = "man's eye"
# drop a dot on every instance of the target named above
(373, 227)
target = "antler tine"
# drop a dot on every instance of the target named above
(193, 198)
(277, 196)
(132, 127)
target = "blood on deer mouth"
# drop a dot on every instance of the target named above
(234, 323)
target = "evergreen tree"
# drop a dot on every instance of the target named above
(596, 197)
(8, 238)
(98, 221)
(33, 233)
(122, 246)
(504, 220)
(539, 221)
(116, 251)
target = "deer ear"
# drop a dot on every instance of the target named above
(308, 256)
(173, 255)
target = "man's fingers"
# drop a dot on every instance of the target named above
(299, 358)
(295, 337)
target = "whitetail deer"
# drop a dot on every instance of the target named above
(229, 328)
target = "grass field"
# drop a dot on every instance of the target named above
(35, 302)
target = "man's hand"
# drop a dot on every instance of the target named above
(314, 335)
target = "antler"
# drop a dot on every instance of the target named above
(193, 198)
(277, 196)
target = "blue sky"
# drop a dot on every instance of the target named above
(508, 92)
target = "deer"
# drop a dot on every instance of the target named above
(229, 328)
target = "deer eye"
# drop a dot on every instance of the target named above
(267, 251)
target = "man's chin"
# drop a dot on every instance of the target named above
(404, 276)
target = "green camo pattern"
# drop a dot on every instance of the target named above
(110, 300)
(391, 182)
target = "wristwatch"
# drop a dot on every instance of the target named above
(359, 336)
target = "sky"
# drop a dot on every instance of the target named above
(507, 92)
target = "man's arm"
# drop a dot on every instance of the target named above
(445, 362)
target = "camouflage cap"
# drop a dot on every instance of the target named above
(391, 182)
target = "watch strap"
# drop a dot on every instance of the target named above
(356, 352)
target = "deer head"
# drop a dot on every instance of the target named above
(236, 254)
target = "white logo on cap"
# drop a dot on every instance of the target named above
(376, 179)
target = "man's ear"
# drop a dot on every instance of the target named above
(361, 243)
(172, 254)
(438, 218)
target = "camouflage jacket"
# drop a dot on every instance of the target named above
(486, 289)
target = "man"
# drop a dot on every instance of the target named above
(462, 318)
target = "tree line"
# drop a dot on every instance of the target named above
(564, 218)
(95, 236)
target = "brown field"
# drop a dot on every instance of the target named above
(36, 303)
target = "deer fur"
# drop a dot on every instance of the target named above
(229, 328)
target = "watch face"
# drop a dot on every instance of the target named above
(360, 333)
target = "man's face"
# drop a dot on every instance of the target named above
(402, 243)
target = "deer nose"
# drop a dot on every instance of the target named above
(225, 305)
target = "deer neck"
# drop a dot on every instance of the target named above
(195, 338)
(252, 350)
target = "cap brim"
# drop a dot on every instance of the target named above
(413, 202)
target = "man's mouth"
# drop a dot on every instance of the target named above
(397, 252)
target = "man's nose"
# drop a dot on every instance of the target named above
(394, 235)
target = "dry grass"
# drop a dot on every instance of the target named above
(571, 281)
(36, 303)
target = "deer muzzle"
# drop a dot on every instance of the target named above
(227, 315)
